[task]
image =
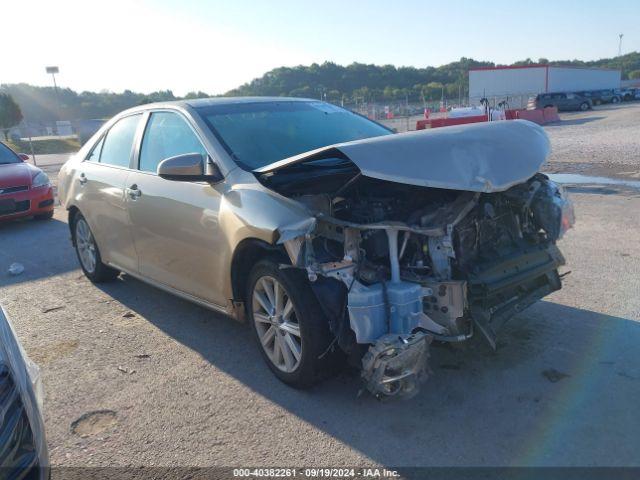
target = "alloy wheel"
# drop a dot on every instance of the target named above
(86, 246)
(276, 323)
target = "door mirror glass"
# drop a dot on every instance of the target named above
(189, 167)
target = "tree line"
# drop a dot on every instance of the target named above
(357, 83)
(352, 84)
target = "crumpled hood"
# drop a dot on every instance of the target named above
(481, 157)
(16, 174)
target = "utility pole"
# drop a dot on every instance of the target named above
(620, 44)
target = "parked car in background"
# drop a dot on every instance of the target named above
(626, 94)
(598, 97)
(564, 101)
(332, 236)
(25, 190)
(23, 446)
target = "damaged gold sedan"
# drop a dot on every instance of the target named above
(335, 238)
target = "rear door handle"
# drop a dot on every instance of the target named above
(82, 179)
(134, 192)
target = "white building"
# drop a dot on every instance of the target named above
(519, 82)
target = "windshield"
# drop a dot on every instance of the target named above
(7, 155)
(260, 133)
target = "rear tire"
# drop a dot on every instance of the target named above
(584, 106)
(288, 323)
(615, 100)
(89, 254)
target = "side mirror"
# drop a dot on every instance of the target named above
(190, 167)
(24, 157)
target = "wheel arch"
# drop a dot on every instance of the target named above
(246, 254)
(73, 211)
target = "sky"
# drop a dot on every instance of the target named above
(216, 45)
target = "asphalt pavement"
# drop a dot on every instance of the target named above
(184, 386)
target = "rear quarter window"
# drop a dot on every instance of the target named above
(94, 154)
(117, 145)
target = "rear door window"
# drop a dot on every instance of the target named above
(117, 145)
(167, 134)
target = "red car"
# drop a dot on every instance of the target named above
(25, 190)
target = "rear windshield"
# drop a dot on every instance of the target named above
(260, 133)
(7, 155)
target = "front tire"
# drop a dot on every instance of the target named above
(584, 106)
(289, 325)
(615, 100)
(89, 254)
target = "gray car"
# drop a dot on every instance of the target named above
(335, 238)
(563, 101)
(599, 97)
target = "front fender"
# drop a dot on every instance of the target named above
(250, 211)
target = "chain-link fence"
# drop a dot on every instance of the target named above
(403, 115)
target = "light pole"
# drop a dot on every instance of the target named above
(620, 44)
(52, 71)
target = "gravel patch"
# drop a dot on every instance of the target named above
(605, 140)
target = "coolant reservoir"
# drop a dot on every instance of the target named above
(368, 311)
(406, 305)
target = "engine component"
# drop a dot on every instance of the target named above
(396, 364)
(441, 250)
(446, 306)
(382, 308)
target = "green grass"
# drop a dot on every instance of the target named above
(43, 147)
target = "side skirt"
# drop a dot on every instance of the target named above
(185, 296)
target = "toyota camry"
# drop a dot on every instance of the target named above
(334, 238)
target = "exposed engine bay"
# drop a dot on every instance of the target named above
(396, 266)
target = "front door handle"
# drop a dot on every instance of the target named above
(134, 192)
(82, 179)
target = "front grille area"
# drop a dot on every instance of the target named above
(498, 290)
(7, 190)
(10, 208)
(18, 454)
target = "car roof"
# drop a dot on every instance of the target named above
(205, 102)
